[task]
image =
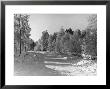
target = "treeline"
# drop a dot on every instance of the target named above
(67, 41)
(70, 41)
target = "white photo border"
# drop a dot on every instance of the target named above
(100, 79)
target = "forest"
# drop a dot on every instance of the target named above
(67, 41)
(66, 52)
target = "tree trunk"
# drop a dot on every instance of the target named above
(20, 35)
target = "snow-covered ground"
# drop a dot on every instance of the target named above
(84, 67)
(51, 64)
(63, 58)
(55, 62)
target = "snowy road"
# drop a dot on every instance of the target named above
(51, 66)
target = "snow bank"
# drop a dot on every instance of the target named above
(84, 67)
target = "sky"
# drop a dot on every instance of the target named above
(53, 23)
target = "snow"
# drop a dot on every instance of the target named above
(63, 58)
(84, 67)
(83, 62)
(55, 62)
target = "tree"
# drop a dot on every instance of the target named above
(50, 40)
(75, 42)
(92, 22)
(32, 45)
(59, 46)
(68, 41)
(69, 31)
(91, 36)
(44, 40)
(61, 33)
(21, 32)
(65, 40)
(37, 47)
(54, 36)
(91, 42)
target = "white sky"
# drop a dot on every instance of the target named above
(53, 23)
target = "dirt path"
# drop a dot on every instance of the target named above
(36, 69)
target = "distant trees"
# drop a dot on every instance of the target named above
(37, 45)
(63, 42)
(50, 43)
(69, 31)
(32, 44)
(59, 46)
(70, 41)
(44, 40)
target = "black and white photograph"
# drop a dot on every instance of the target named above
(55, 44)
